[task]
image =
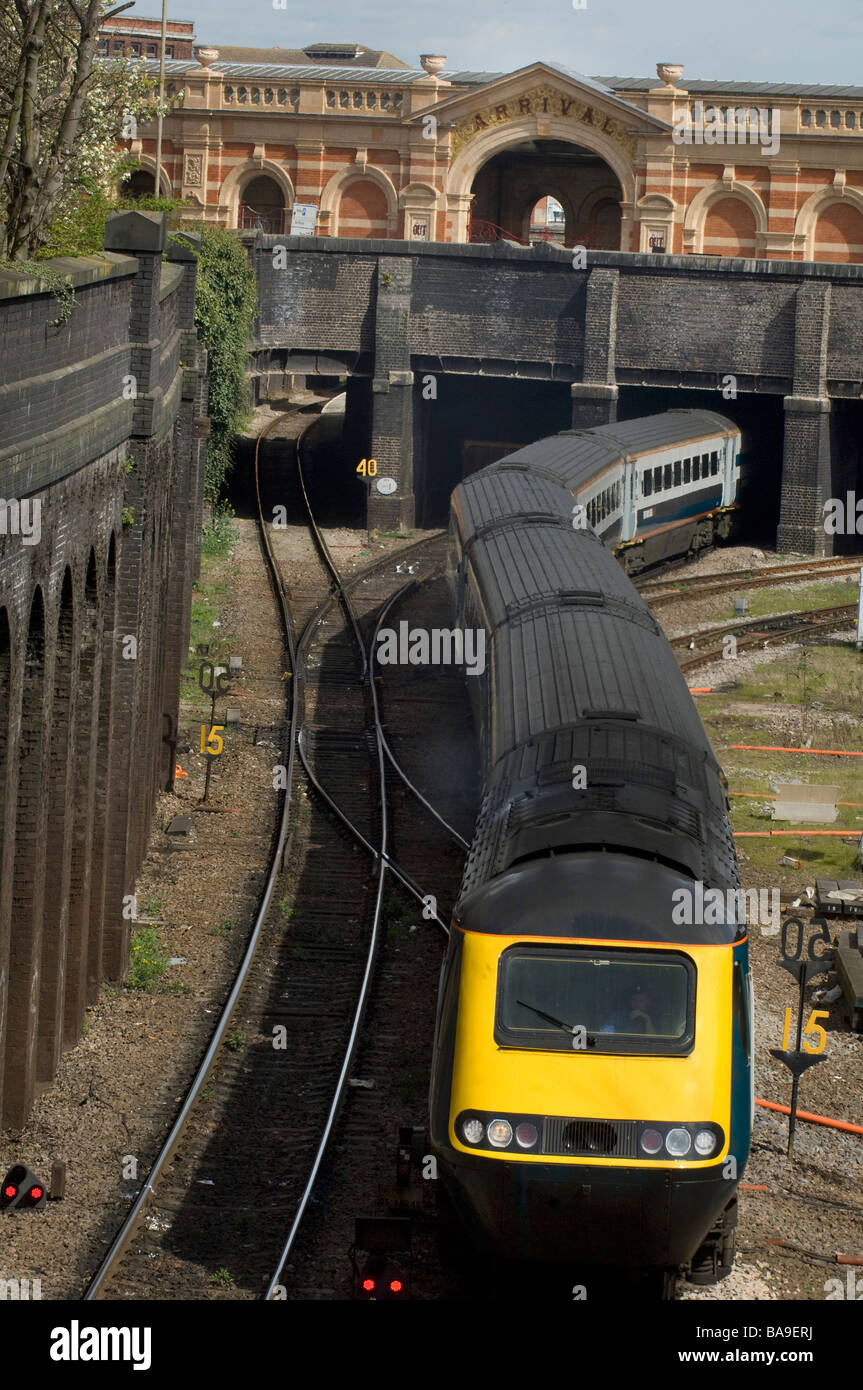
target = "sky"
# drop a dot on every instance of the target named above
(747, 40)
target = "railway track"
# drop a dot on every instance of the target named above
(700, 648)
(299, 996)
(660, 591)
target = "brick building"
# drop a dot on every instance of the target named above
(127, 37)
(382, 149)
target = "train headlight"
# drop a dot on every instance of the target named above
(526, 1136)
(705, 1143)
(473, 1131)
(678, 1142)
(499, 1133)
(651, 1141)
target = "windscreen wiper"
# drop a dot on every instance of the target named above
(550, 1018)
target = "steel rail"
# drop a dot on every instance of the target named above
(148, 1191)
(821, 620)
(659, 591)
(451, 830)
(342, 595)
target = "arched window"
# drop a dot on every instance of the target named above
(729, 228)
(362, 210)
(838, 234)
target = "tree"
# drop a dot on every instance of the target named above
(62, 113)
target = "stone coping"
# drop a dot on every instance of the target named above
(80, 270)
(544, 253)
(170, 281)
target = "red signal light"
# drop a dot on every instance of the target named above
(368, 1285)
(396, 1286)
(21, 1189)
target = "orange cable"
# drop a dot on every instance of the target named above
(814, 1119)
(777, 748)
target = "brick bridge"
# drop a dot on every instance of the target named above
(101, 460)
(520, 344)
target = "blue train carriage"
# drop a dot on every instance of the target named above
(627, 1149)
(653, 488)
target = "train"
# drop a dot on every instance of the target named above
(654, 488)
(591, 1092)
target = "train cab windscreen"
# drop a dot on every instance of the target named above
(609, 1001)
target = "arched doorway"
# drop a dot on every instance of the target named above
(141, 184)
(548, 221)
(510, 186)
(262, 206)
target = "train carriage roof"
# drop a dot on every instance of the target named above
(520, 564)
(559, 666)
(492, 495)
(576, 456)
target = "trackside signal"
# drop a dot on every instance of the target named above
(381, 1279)
(22, 1189)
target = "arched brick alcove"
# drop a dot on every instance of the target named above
(60, 768)
(28, 876)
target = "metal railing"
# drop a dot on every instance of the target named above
(262, 219)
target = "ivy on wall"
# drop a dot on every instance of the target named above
(225, 309)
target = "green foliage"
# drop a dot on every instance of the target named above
(148, 202)
(222, 1276)
(220, 532)
(79, 230)
(225, 309)
(237, 1041)
(224, 928)
(148, 960)
(128, 516)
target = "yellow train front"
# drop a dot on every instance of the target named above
(591, 1091)
(591, 1095)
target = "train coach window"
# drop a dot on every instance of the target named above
(687, 470)
(647, 483)
(627, 1001)
(714, 464)
(677, 472)
(666, 476)
(657, 480)
(696, 468)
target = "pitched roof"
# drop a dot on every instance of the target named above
(349, 55)
(714, 86)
